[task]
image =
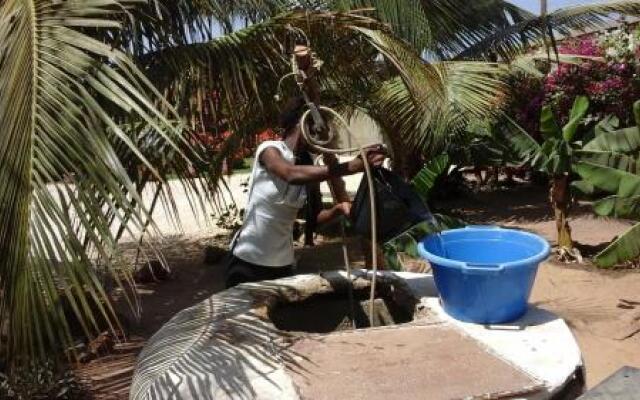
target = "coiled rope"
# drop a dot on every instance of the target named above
(319, 145)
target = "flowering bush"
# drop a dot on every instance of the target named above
(620, 46)
(267, 134)
(612, 83)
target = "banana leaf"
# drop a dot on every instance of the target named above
(583, 187)
(578, 111)
(624, 248)
(610, 123)
(619, 207)
(548, 125)
(610, 159)
(625, 140)
(609, 179)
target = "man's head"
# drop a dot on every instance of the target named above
(290, 115)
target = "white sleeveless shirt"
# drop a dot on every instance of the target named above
(266, 236)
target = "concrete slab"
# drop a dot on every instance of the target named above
(409, 362)
(623, 385)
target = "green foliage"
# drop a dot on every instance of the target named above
(577, 113)
(425, 179)
(623, 249)
(555, 155)
(96, 92)
(486, 145)
(100, 122)
(68, 103)
(609, 164)
(407, 241)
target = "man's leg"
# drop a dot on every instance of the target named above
(241, 271)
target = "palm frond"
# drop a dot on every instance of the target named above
(65, 95)
(510, 41)
(407, 19)
(428, 120)
(246, 65)
(530, 64)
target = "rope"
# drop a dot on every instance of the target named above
(319, 145)
(345, 258)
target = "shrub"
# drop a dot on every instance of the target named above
(612, 84)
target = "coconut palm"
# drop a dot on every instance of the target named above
(97, 100)
(84, 130)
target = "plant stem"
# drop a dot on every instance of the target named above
(560, 199)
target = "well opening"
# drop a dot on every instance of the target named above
(331, 312)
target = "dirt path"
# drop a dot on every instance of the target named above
(597, 305)
(593, 305)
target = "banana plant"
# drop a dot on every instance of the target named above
(555, 156)
(610, 163)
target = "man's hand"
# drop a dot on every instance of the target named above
(375, 154)
(344, 208)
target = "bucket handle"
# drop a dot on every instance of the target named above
(483, 269)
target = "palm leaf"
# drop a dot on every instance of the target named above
(457, 25)
(512, 40)
(407, 18)
(529, 63)
(470, 91)
(62, 182)
(235, 66)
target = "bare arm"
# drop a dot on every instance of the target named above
(343, 208)
(273, 161)
(337, 185)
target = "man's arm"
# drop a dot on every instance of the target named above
(273, 161)
(328, 214)
(336, 184)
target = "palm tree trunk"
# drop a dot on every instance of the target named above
(560, 198)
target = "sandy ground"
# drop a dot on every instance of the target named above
(597, 305)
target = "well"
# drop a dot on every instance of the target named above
(344, 310)
(292, 339)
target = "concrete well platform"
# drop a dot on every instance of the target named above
(227, 347)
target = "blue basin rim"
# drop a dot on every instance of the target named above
(495, 267)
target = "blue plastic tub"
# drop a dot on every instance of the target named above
(484, 274)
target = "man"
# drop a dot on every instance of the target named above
(263, 248)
